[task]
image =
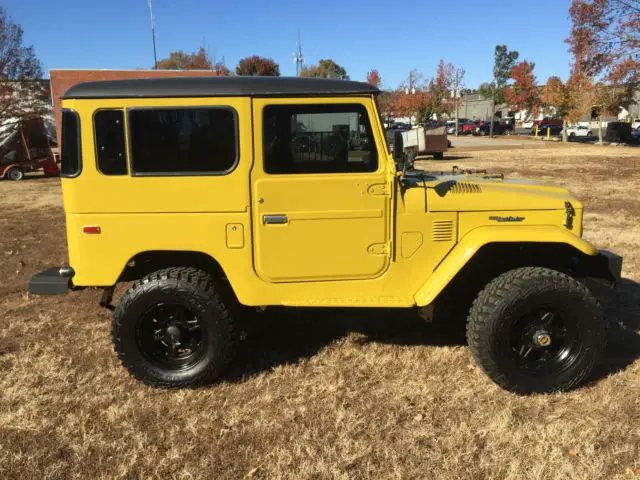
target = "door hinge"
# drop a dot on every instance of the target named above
(380, 189)
(379, 249)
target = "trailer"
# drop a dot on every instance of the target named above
(25, 146)
(426, 141)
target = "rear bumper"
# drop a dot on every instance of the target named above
(52, 281)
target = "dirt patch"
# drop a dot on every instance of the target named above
(314, 393)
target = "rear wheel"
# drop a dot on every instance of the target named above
(438, 155)
(14, 173)
(536, 330)
(172, 329)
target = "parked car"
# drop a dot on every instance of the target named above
(499, 128)
(548, 121)
(451, 126)
(467, 127)
(579, 131)
(542, 130)
(635, 125)
(400, 126)
(270, 229)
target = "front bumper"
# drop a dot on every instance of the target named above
(607, 273)
(611, 264)
(52, 281)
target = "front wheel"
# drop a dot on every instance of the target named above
(536, 330)
(172, 329)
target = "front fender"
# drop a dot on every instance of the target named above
(467, 247)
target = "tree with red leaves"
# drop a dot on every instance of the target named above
(523, 94)
(412, 99)
(570, 100)
(373, 77)
(199, 60)
(605, 45)
(256, 66)
(440, 89)
(386, 103)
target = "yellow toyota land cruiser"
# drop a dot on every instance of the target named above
(213, 193)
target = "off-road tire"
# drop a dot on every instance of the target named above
(14, 173)
(196, 290)
(499, 306)
(438, 155)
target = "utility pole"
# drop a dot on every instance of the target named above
(153, 36)
(457, 95)
(493, 109)
(410, 91)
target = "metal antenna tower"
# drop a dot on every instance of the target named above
(153, 35)
(297, 56)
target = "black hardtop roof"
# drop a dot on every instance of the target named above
(218, 87)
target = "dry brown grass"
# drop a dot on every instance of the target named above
(314, 393)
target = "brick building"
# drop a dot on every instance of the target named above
(63, 80)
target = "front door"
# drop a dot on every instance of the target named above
(320, 193)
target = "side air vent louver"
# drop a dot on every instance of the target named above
(442, 230)
(462, 187)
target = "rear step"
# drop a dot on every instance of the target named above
(52, 281)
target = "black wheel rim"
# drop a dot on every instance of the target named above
(544, 341)
(170, 336)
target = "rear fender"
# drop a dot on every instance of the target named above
(469, 245)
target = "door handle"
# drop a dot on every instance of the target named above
(275, 219)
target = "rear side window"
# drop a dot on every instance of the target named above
(183, 141)
(111, 153)
(70, 148)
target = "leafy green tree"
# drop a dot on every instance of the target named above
(326, 68)
(504, 61)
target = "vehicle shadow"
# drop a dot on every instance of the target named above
(622, 310)
(281, 336)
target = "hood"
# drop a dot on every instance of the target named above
(472, 193)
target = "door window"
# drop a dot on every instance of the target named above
(333, 138)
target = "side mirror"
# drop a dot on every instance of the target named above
(398, 147)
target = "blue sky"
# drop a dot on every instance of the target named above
(393, 37)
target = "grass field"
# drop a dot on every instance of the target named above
(315, 393)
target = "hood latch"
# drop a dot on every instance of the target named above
(570, 212)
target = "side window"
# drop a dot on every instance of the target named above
(111, 153)
(187, 141)
(318, 139)
(70, 148)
